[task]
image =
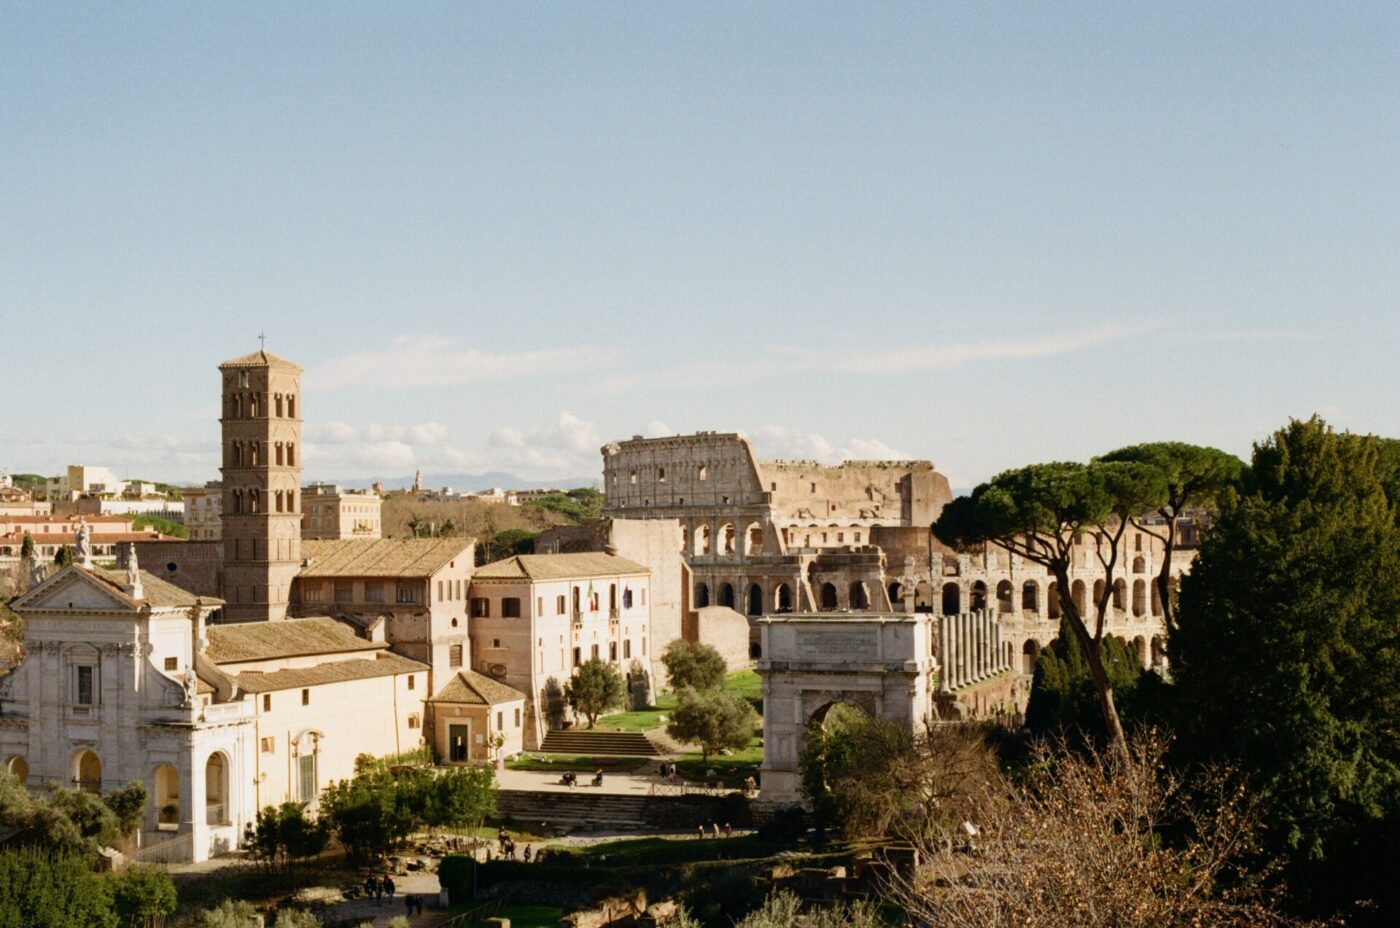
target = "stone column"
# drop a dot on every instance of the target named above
(943, 654)
(964, 665)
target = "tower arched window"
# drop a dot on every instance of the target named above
(291, 406)
(253, 448)
(237, 501)
(252, 405)
(291, 455)
(279, 453)
(238, 406)
(253, 500)
(278, 405)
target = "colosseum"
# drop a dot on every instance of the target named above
(767, 537)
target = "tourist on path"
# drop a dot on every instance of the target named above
(388, 886)
(408, 905)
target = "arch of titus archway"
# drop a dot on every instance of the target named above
(881, 663)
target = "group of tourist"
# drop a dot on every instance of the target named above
(715, 830)
(507, 844)
(569, 778)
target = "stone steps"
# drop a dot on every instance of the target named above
(599, 743)
(576, 809)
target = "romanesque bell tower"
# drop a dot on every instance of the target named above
(261, 485)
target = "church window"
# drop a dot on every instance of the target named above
(644, 597)
(594, 654)
(857, 537)
(704, 472)
(85, 688)
(517, 717)
(172, 663)
(626, 649)
(267, 702)
(291, 407)
(500, 721)
(539, 605)
(268, 745)
(291, 455)
(559, 605)
(413, 721)
(306, 697)
(627, 599)
(454, 656)
(661, 474)
(410, 681)
(612, 650)
(279, 453)
(510, 607)
(441, 597)
(481, 608)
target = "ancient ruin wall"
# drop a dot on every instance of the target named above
(855, 492)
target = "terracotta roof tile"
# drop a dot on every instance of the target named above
(258, 359)
(382, 665)
(559, 567)
(154, 590)
(262, 641)
(469, 688)
(382, 557)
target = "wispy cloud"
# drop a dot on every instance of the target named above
(411, 361)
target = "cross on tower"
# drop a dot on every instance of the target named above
(262, 342)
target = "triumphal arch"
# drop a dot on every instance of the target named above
(883, 664)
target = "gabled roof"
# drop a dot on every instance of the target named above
(107, 589)
(380, 665)
(381, 557)
(263, 641)
(469, 688)
(258, 359)
(559, 567)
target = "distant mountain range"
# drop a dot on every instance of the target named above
(472, 482)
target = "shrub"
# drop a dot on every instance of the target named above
(455, 876)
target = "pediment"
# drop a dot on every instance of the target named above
(73, 590)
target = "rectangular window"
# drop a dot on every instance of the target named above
(85, 685)
(454, 656)
(410, 681)
(313, 593)
(413, 721)
(539, 605)
(577, 659)
(440, 596)
(644, 597)
(457, 736)
(500, 721)
(857, 537)
(510, 607)
(306, 770)
(406, 593)
(481, 607)
(267, 702)
(612, 650)
(344, 591)
(374, 592)
(517, 718)
(268, 745)
(595, 651)
(306, 697)
(172, 663)
(627, 649)
(495, 642)
(559, 605)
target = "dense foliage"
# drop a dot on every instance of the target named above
(1063, 699)
(692, 665)
(283, 836)
(1286, 660)
(581, 505)
(40, 889)
(68, 821)
(164, 526)
(595, 688)
(716, 720)
(375, 811)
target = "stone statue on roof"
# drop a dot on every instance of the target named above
(191, 686)
(133, 572)
(38, 570)
(82, 545)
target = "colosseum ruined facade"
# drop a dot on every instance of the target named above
(770, 537)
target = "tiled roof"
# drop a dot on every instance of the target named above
(154, 590)
(258, 359)
(382, 665)
(381, 557)
(470, 688)
(261, 641)
(98, 538)
(71, 520)
(559, 567)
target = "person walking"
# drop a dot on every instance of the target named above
(418, 905)
(389, 887)
(728, 830)
(700, 832)
(408, 905)
(370, 884)
(715, 826)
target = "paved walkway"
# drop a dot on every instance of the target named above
(637, 782)
(378, 914)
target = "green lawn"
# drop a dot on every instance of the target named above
(642, 720)
(532, 916)
(747, 684)
(578, 762)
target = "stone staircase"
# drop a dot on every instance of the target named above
(578, 809)
(595, 743)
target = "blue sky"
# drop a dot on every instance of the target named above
(498, 235)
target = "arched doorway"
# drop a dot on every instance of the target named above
(923, 597)
(1030, 598)
(18, 768)
(87, 772)
(896, 592)
(216, 790)
(828, 597)
(1159, 652)
(860, 595)
(782, 598)
(1030, 653)
(726, 595)
(952, 599)
(1004, 598)
(979, 597)
(755, 597)
(166, 796)
(702, 595)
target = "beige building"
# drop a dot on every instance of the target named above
(332, 512)
(261, 512)
(477, 720)
(536, 617)
(202, 507)
(412, 590)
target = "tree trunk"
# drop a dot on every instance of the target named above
(1114, 725)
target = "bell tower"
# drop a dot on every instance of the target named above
(261, 471)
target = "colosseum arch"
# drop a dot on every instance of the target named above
(1052, 601)
(753, 539)
(1120, 596)
(923, 596)
(1030, 598)
(860, 595)
(702, 540)
(896, 593)
(702, 595)
(952, 599)
(1005, 600)
(829, 602)
(754, 599)
(1139, 565)
(1077, 594)
(979, 597)
(1139, 596)
(782, 598)
(726, 539)
(726, 595)
(1030, 653)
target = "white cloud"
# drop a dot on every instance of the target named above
(411, 361)
(569, 433)
(777, 441)
(657, 429)
(343, 433)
